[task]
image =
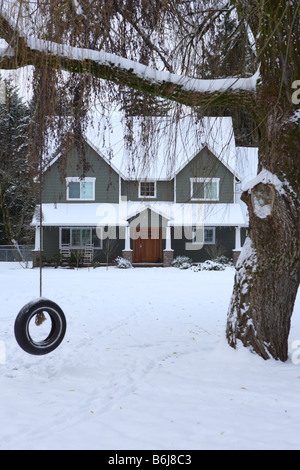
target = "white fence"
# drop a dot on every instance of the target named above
(11, 253)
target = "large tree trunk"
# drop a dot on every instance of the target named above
(266, 280)
(268, 270)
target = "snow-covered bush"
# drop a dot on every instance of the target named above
(218, 264)
(196, 267)
(123, 263)
(211, 265)
(182, 262)
(185, 265)
(223, 260)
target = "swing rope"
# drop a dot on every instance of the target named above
(41, 228)
(40, 317)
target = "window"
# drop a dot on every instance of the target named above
(204, 235)
(80, 189)
(147, 189)
(204, 189)
(78, 237)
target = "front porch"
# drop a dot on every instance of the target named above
(146, 235)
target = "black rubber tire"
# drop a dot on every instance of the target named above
(57, 332)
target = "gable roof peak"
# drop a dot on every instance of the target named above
(156, 148)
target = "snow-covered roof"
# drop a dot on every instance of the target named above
(94, 214)
(169, 148)
(179, 214)
(78, 214)
(246, 163)
(158, 147)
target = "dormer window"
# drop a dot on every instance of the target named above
(205, 189)
(80, 189)
(147, 189)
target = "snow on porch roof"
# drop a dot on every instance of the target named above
(190, 214)
(94, 214)
(77, 214)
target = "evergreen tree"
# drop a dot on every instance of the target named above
(16, 177)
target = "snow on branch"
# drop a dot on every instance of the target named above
(120, 70)
(140, 70)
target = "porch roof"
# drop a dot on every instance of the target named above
(77, 214)
(95, 214)
(191, 214)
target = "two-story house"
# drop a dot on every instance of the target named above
(175, 194)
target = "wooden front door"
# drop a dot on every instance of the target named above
(147, 246)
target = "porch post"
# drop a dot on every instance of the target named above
(238, 246)
(37, 238)
(127, 252)
(238, 238)
(127, 238)
(168, 252)
(168, 238)
(38, 250)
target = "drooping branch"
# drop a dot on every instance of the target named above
(26, 51)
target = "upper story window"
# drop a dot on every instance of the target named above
(80, 189)
(205, 189)
(147, 189)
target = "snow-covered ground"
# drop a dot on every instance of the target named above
(144, 365)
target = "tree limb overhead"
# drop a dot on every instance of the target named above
(24, 51)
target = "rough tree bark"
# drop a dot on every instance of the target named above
(268, 271)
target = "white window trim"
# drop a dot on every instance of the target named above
(203, 242)
(75, 247)
(80, 180)
(147, 197)
(204, 180)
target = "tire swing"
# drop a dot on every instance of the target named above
(37, 312)
(34, 314)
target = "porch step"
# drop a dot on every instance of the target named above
(148, 265)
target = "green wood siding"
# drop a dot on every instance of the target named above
(106, 185)
(205, 165)
(225, 236)
(164, 191)
(50, 241)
